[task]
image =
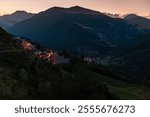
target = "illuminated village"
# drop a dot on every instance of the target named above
(48, 54)
(54, 57)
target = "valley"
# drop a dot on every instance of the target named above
(75, 53)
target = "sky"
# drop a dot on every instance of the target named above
(141, 7)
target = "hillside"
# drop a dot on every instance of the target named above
(141, 21)
(136, 61)
(24, 76)
(7, 21)
(86, 32)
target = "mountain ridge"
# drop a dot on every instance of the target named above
(97, 29)
(139, 20)
(9, 20)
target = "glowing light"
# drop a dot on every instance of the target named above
(113, 6)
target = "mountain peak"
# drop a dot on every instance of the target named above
(139, 20)
(79, 8)
(56, 7)
(83, 10)
(76, 7)
(130, 15)
(9, 20)
(71, 8)
(19, 11)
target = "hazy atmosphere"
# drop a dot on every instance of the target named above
(140, 7)
(75, 50)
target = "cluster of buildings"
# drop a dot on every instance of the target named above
(92, 60)
(27, 45)
(54, 57)
(48, 54)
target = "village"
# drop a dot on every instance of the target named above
(54, 57)
(46, 54)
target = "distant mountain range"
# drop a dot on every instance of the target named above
(141, 21)
(7, 21)
(78, 30)
(112, 15)
(120, 48)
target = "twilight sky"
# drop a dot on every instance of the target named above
(142, 7)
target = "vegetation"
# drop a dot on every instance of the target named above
(24, 76)
(29, 78)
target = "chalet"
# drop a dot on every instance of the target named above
(27, 45)
(43, 55)
(48, 55)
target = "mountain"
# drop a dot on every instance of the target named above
(135, 64)
(136, 61)
(7, 21)
(6, 41)
(112, 15)
(23, 76)
(141, 21)
(148, 17)
(78, 30)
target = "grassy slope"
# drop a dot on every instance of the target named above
(23, 76)
(122, 89)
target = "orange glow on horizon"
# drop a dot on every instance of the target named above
(140, 7)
